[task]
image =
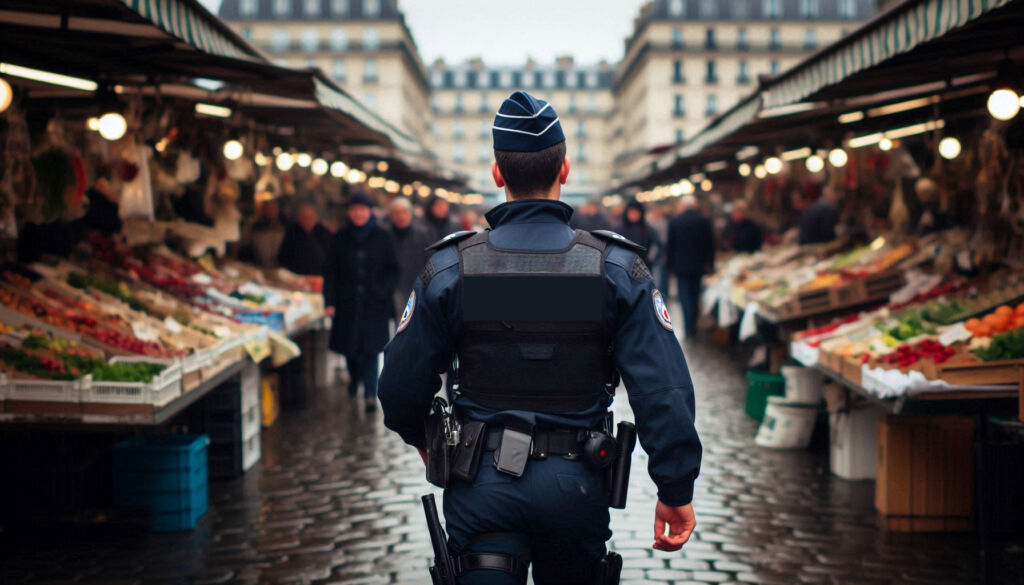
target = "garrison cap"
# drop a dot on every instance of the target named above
(526, 124)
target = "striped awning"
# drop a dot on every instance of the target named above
(191, 23)
(897, 31)
(340, 101)
(729, 122)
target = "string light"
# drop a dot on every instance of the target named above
(814, 163)
(93, 124)
(6, 95)
(949, 148)
(885, 144)
(744, 170)
(382, 166)
(760, 172)
(773, 165)
(338, 169)
(304, 159)
(233, 150)
(319, 167)
(261, 159)
(838, 158)
(112, 126)
(285, 161)
(1004, 104)
(705, 185)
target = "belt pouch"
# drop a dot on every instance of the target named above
(438, 453)
(466, 455)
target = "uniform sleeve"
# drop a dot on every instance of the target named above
(660, 390)
(417, 356)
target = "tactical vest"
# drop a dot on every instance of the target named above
(534, 335)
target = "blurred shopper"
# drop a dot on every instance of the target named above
(589, 217)
(635, 228)
(438, 219)
(305, 244)
(658, 220)
(818, 221)
(411, 241)
(743, 234)
(102, 213)
(360, 277)
(262, 235)
(691, 255)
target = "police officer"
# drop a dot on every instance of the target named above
(533, 322)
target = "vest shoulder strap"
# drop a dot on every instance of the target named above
(449, 239)
(615, 238)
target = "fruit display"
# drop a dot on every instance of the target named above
(1003, 319)
(907, 355)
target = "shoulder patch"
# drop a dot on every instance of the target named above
(639, 272)
(618, 239)
(450, 239)
(661, 309)
(410, 308)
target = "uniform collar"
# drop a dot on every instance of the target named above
(529, 211)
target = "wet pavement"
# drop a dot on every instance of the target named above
(336, 500)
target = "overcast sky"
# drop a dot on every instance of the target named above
(510, 31)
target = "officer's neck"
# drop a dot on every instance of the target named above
(552, 195)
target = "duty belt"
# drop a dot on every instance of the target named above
(566, 443)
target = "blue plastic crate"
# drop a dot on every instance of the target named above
(162, 481)
(171, 511)
(165, 475)
(166, 453)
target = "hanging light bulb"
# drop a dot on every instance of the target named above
(885, 144)
(233, 150)
(304, 159)
(814, 163)
(112, 126)
(285, 161)
(687, 187)
(760, 172)
(319, 167)
(949, 148)
(773, 165)
(261, 159)
(6, 95)
(382, 166)
(705, 185)
(93, 124)
(338, 169)
(838, 158)
(744, 170)
(1003, 104)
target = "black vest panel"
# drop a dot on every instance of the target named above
(533, 329)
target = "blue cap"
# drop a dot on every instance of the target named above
(360, 198)
(526, 124)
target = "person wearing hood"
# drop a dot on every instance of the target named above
(439, 221)
(360, 276)
(636, 229)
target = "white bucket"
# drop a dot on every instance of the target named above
(786, 425)
(804, 385)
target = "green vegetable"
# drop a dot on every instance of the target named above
(1005, 346)
(116, 290)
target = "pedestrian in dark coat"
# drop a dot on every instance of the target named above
(691, 255)
(818, 221)
(411, 240)
(438, 220)
(304, 246)
(635, 228)
(360, 276)
(744, 235)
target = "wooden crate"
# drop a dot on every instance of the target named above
(830, 360)
(851, 370)
(925, 473)
(876, 286)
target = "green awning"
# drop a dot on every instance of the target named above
(335, 99)
(189, 22)
(731, 121)
(897, 31)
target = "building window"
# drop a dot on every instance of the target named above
(370, 100)
(495, 79)
(370, 71)
(677, 38)
(679, 136)
(517, 79)
(573, 108)
(677, 71)
(458, 129)
(581, 152)
(810, 42)
(809, 8)
(538, 79)
(709, 38)
(339, 7)
(581, 129)
(248, 7)
(680, 107)
(741, 9)
(458, 153)
(711, 106)
(485, 129)
(743, 76)
(772, 8)
(677, 8)
(310, 39)
(339, 70)
(711, 73)
(708, 8)
(742, 41)
(471, 79)
(774, 40)
(483, 104)
(371, 7)
(339, 39)
(280, 39)
(581, 79)
(312, 7)
(458, 103)
(484, 155)
(247, 33)
(847, 9)
(371, 39)
(774, 67)
(560, 79)
(282, 7)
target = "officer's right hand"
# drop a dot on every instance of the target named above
(681, 522)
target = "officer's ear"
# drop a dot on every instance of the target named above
(563, 175)
(496, 173)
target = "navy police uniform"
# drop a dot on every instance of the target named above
(555, 515)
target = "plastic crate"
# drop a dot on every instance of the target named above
(165, 453)
(252, 451)
(761, 385)
(41, 390)
(163, 388)
(172, 511)
(273, 321)
(198, 359)
(166, 475)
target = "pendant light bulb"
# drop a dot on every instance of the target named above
(949, 148)
(814, 163)
(319, 167)
(885, 144)
(284, 162)
(838, 158)
(1004, 104)
(744, 170)
(233, 150)
(6, 95)
(304, 159)
(773, 165)
(112, 126)
(338, 169)
(760, 172)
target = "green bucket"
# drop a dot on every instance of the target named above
(761, 385)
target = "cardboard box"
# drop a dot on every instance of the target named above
(925, 473)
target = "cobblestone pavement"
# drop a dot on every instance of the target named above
(336, 500)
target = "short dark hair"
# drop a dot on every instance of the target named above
(530, 173)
